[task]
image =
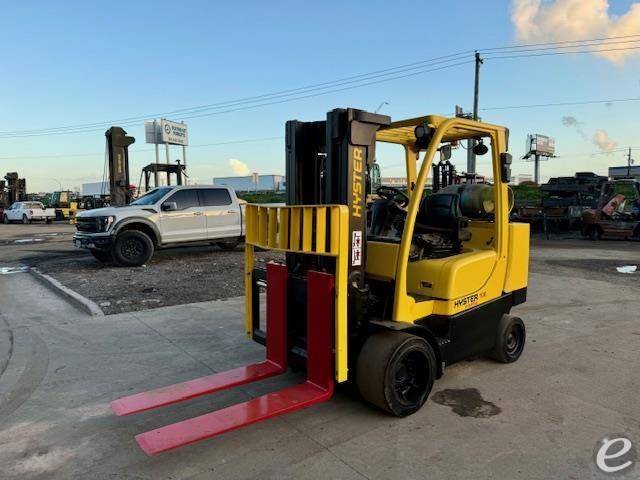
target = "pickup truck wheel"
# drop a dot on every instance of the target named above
(25, 219)
(48, 221)
(228, 244)
(132, 248)
(102, 256)
(5, 219)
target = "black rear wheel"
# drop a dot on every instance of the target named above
(510, 339)
(132, 248)
(396, 371)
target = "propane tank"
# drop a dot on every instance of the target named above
(476, 200)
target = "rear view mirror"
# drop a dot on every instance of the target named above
(445, 152)
(169, 206)
(505, 167)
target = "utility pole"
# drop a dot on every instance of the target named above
(471, 158)
(629, 163)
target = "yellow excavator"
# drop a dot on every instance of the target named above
(384, 297)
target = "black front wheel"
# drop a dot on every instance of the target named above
(510, 339)
(5, 219)
(132, 248)
(396, 371)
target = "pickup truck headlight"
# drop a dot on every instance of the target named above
(104, 223)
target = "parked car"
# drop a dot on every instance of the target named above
(164, 217)
(27, 212)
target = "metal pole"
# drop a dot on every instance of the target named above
(536, 173)
(184, 159)
(471, 158)
(155, 175)
(168, 174)
(629, 164)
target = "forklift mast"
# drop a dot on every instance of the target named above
(330, 163)
(118, 152)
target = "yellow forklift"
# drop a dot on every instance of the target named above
(65, 204)
(386, 297)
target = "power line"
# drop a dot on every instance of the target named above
(354, 81)
(96, 154)
(562, 53)
(560, 104)
(246, 100)
(557, 43)
(249, 107)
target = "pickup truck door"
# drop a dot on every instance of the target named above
(222, 212)
(185, 224)
(14, 211)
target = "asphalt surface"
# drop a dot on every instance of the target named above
(541, 417)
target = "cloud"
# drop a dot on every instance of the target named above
(238, 167)
(603, 141)
(565, 20)
(572, 122)
(569, 121)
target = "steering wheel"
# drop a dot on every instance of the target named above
(393, 194)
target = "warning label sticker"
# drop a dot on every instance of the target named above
(356, 248)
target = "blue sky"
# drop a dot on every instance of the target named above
(73, 62)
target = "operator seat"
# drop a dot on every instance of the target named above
(440, 227)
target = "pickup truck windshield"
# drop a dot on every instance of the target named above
(153, 196)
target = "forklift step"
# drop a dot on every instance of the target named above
(317, 388)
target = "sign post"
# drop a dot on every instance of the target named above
(539, 147)
(168, 133)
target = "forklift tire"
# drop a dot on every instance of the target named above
(102, 256)
(396, 371)
(510, 339)
(132, 248)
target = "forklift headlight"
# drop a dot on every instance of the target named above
(104, 223)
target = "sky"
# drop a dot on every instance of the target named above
(78, 63)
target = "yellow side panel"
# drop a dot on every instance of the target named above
(381, 260)
(518, 257)
(451, 277)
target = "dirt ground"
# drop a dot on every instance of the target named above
(201, 273)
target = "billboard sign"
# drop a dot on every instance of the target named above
(166, 131)
(541, 145)
(174, 133)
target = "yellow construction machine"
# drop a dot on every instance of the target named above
(385, 297)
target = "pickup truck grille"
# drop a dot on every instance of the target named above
(89, 224)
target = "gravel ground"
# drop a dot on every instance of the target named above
(197, 274)
(173, 277)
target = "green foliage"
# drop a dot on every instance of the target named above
(526, 194)
(266, 197)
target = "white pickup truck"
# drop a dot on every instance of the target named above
(27, 212)
(163, 217)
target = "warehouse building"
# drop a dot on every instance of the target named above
(617, 173)
(253, 183)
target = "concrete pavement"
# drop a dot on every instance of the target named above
(539, 418)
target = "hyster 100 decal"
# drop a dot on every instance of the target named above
(468, 300)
